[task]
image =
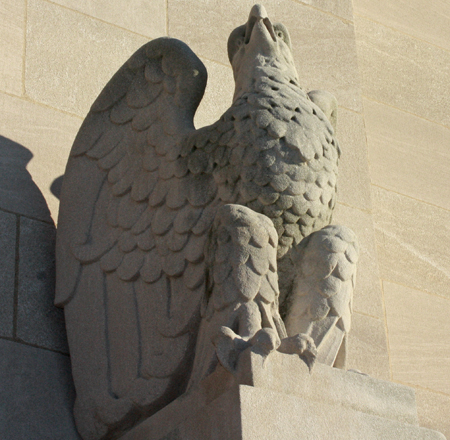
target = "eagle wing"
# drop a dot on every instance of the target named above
(133, 216)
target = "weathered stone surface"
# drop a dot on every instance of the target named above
(367, 347)
(426, 318)
(367, 297)
(414, 83)
(39, 322)
(354, 178)
(327, 61)
(424, 20)
(341, 9)
(37, 394)
(143, 17)
(432, 409)
(412, 242)
(12, 22)
(288, 402)
(7, 271)
(180, 207)
(408, 154)
(39, 138)
(68, 72)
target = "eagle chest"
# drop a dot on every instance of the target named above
(277, 163)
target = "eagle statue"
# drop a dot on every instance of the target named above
(179, 248)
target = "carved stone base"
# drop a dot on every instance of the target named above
(281, 400)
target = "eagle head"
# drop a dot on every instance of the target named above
(256, 44)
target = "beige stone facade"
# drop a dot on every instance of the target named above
(387, 62)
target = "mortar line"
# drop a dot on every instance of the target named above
(16, 277)
(436, 295)
(379, 318)
(366, 211)
(24, 48)
(32, 101)
(421, 387)
(167, 17)
(358, 112)
(345, 20)
(386, 328)
(405, 111)
(400, 31)
(410, 197)
(99, 19)
(29, 344)
(27, 216)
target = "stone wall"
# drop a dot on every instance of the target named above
(404, 59)
(57, 55)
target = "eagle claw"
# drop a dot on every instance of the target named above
(300, 344)
(229, 345)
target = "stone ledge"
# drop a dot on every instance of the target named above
(282, 400)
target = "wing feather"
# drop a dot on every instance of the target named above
(129, 204)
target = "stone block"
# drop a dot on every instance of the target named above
(281, 399)
(433, 410)
(143, 17)
(353, 180)
(419, 355)
(403, 72)
(37, 394)
(324, 61)
(412, 242)
(367, 347)
(39, 321)
(38, 138)
(12, 22)
(408, 154)
(367, 295)
(68, 72)
(218, 94)
(7, 271)
(427, 21)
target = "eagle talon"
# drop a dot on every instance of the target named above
(229, 345)
(300, 344)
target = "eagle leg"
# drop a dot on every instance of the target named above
(241, 309)
(320, 304)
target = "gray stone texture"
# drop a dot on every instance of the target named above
(412, 242)
(39, 321)
(37, 394)
(60, 72)
(283, 401)
(427, 317)
(421, 91)
(7, 271)
(12, 21)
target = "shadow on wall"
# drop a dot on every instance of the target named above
(37, 390)
(56, 185)
(18, 192)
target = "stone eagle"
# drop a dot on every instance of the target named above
(178, 248)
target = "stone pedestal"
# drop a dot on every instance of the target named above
(282, 400)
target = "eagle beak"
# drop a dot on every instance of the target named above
(258, 17)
